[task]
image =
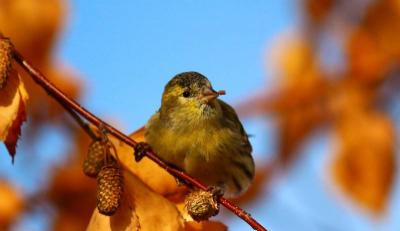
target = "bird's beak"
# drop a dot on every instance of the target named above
(208, 94)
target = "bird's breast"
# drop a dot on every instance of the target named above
(174, 146)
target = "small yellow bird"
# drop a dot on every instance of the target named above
(201, 134)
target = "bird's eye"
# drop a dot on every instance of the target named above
(186, 94)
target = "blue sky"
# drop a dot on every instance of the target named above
(126, 51)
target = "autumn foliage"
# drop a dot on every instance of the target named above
(350, 95)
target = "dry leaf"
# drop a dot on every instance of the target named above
(34, 29)
(364, 167)
(11, 204)
(294, 127)
(299, 101)
(368, 63)
(386, 34)
(293, 60)
(32, 26)
(13, 98)
(349, 98)
(149, 172)
(318, 9)
(205, 226)
(141, 209)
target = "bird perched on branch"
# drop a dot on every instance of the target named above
(201, 134)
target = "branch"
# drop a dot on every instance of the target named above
(71, 104)
(85, 126)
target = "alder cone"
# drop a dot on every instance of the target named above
(6, 50)
(201, 205)
(110, 188)
(94, 160)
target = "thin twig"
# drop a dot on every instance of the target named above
(67, 102)
(83, 124)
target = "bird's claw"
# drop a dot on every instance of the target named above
(140, 150)
(216, 191)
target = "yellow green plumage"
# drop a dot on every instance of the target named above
(202, 135)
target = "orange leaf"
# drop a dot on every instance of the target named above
(11, 204)
(205, 226)
(149, 172)
(364, 167)
(141, 209)
(34, 27)
(367, 61)
(318, 9)
(12, 111)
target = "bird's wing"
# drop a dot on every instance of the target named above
(231, 117)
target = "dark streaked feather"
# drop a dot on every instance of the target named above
(244, 168)
(231, 117)
(237, 184)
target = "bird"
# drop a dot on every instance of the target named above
(200, 134)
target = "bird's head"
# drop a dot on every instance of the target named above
(190, 94)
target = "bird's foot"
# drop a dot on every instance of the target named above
(216, 191)
(140, 150)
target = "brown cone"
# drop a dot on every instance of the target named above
(6, 50)
(94, 159)
(110, 189)
(201, 205)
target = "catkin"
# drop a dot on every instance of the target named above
(110, 188)
(94, 160)
(201, 205)
(6, 51)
